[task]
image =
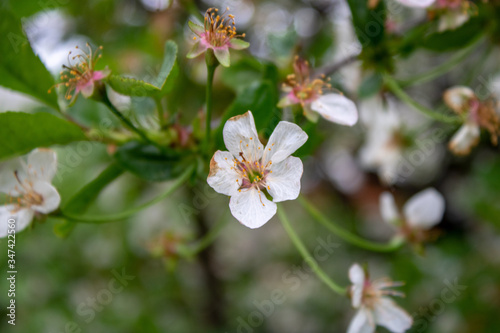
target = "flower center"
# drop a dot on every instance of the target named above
(28, 197)
(78, 75)
(374, 290)
(219, 29)
(305, 89)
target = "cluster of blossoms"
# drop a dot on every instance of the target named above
(477, 114)
(81, 77)
(309, 93)
(29, 185)
(218, 34)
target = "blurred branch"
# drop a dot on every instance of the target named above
(403, 96)
(307, 256)
(124, 214)
(438, 70)
(331, 69)
(346, 235)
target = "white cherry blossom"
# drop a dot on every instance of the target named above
(309, 92)
(374, 307)
(249, 169)
(477, 114)
(421, 212)
(417, 3)
(28, 183)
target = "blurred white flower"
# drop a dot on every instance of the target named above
(454, 13)
(417, 3)
(248, 169)
(374, 307)
(30, 183)
(422, 212)
(477, 114)
(302, 89)
(385, 142)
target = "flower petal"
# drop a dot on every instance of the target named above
(391, 316)
(240, 135)
(222, 54)
(417, 3)
(196, 28)
(284, 181)
(425, 209)
(336, 108)
(252, 208)
(42, 164)
(197, 49)
(362, 322)
(22, 217)
(87, 90)
(8, 182)
(223, 177)
(51, 198)
(388, 208)
(357, 277)
(465, 139)
(457, 98)
(238, 44)
(285, 140)
(452, 20)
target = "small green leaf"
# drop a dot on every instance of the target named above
(151, 164)
(133, 87)
(454, 39)
(81, 201)
(20, 68)
(22, 132)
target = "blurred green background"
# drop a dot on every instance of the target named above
(63, 284)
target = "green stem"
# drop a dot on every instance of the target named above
(438, 70)
(395, 244)
(212, 63)
(124, 214)
(125, 121)
(402, 95)
(307, 256)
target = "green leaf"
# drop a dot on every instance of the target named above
(154, 87)
(20, 68)
(151, 164)
(369, 24)
(454, 39)
(22, 132)
(259, 97)
(81, 201)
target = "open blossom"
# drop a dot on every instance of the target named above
(82, 77)
(29, 185)
(374, 307)
(248, 170)
(218, 34)
(385, 143)
(421, 213)
(477, 114)
(309, 93)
